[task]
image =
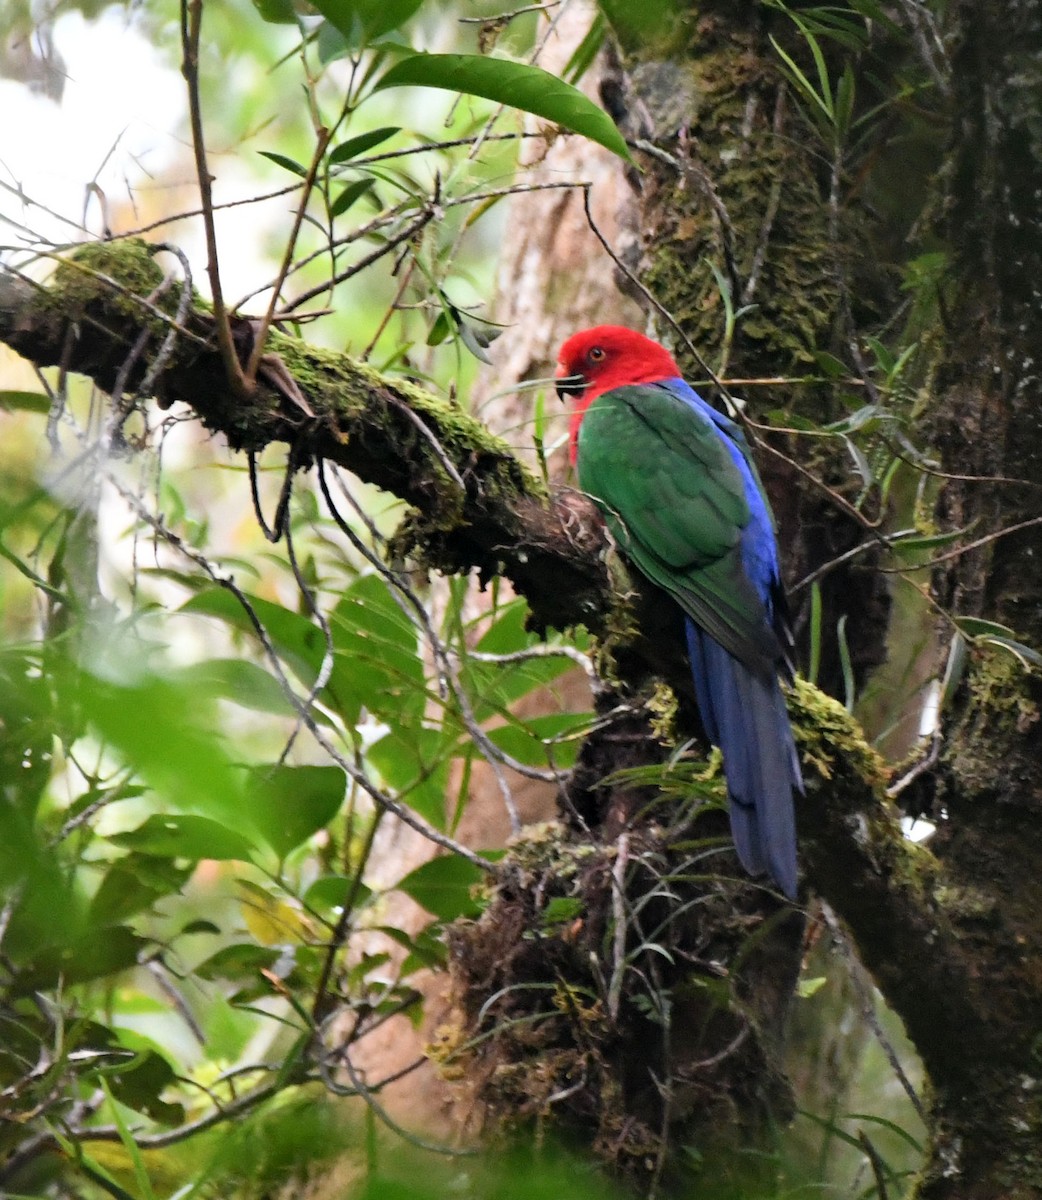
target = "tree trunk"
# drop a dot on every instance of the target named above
(818, 236)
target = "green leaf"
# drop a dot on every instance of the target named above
(166, 732)
(377, 655)
(791, 420)
(17, 401)
(281, 160)
(473, 340)
(364, 20)
(103, 951)
(519, 85)
(494, 686)
(978, 627)
(893, 1126)
(349, 195)
(1002, 636)
(802, 83)
(807, 987)
(532, 741)
(1026, 654)
(561, 909)
(186, 836)
(413, 762)
(300, 642)
(440, 330)
(330, 893)
(240, 963)
(643, 22)
(360, 144)
(132, 884)
(376, 658)
(584, 54)
(199, 925)
(426, 948)
(867, 414)
(137, 1083)
(915, 543)
(240, 681)
(885, 359)
(276, 12)
(443, 887)
(289, 804)
(141, 1180)
(830, 365)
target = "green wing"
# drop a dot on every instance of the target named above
(674, 501)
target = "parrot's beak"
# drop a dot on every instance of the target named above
(569, 385)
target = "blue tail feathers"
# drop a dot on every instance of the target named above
(744, 714)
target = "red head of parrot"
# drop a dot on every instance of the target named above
(608, 356)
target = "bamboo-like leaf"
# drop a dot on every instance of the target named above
(979, 627)
(288, 164)
(815, 632)
(915, 542)
(363, 142)
(13, 401)
(528, 88)
(802, 83)
(349, 195)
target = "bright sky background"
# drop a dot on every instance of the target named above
(53, 151)
(122, 122)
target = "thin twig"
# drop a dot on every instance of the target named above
(382, 1114)
(926, 763)
(403, 235)
(771, 213)
(261, 334)
(868, 1008)
(618, 908)
(191, 26)
(502, 18)
(347, 910)
(325, 669)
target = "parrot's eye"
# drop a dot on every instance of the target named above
(596, 355)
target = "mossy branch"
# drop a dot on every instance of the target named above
(475, 507)
(892, 893)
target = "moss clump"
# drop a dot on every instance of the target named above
(118, 273)
(990, 746)
(1000, 686)
(443, 444)
(775, 228)
(828, 736)
(585, 957)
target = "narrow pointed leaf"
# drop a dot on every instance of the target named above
(349, 195)
(12, 401)
(281, 160)
(363, 142)
(528, 88)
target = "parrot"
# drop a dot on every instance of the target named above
(676, 484)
